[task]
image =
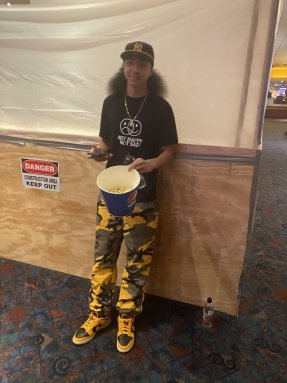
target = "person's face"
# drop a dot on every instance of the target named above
(137, 72)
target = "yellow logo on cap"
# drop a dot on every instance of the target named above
(138, 47)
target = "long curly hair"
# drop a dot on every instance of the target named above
(155, 84)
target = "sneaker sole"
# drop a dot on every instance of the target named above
(80, 343)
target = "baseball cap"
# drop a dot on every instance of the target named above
(140, 49)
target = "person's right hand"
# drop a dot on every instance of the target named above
(98, 154)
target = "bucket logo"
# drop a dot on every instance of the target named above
(39, 167)
(132, 198)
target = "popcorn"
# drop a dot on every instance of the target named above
(120, 190)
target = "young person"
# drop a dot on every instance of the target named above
(137, 128)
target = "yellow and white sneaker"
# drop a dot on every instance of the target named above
(126, 333)
(89, 328)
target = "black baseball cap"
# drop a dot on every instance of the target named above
(140, 49)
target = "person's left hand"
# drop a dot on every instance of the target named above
(142, 166)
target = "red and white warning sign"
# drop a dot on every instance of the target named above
(40, 174)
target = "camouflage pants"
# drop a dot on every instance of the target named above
(138, 229)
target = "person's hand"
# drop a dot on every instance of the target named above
(98, 154)
(142, 166)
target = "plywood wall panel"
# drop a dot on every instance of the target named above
(45, 228)
(202, 234)
(204, 212)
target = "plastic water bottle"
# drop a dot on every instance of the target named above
(208, 313)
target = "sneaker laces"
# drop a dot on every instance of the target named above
(90, 321)
(125, 324)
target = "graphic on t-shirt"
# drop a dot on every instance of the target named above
(130, 127)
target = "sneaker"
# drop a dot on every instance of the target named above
(89, 329)
(126, 333)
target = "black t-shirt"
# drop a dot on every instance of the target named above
(153, 127)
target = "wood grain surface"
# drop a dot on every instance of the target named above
(204, 212)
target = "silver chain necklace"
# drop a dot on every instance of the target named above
(128, 113)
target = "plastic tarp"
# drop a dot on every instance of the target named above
(215, 55)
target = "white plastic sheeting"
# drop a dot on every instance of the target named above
(56, 60)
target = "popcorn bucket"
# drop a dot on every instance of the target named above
(118, 187)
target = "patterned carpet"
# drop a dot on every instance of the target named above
(40, 310)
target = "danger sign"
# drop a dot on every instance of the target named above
(40, 174)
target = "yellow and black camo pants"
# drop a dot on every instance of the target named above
(138, 229)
